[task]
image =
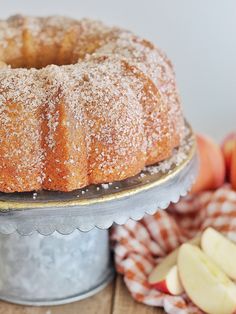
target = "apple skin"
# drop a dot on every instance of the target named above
(228, 148)
(161, 286)
(212, 166)
(233, 169)
(221, 251)
(204, 283)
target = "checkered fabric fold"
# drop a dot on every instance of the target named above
(139, 246)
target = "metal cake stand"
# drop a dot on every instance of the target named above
(54, 247)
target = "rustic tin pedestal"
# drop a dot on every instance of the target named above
(54, 247)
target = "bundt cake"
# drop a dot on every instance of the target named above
(81, 103)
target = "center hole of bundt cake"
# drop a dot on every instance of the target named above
(29, 64)
(40, 63)
(37, 59)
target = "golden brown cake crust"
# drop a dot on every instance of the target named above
(106, 106)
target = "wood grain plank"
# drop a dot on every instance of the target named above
(123, 302)
(100, 303)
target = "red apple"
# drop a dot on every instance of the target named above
(206, 285)
(212, 168)
(233, 169)
(228, 147)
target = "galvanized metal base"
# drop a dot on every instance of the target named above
(55, 269)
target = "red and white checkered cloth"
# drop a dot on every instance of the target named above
(139, 246)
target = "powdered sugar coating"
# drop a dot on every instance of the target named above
(99, 120)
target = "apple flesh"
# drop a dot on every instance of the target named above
(165, 276)
(221, 250)
(205, 284)
(212, 166)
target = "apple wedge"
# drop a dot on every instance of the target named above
(221, 250)
(205, 284)
(164, 276)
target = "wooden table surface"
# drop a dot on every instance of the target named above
(114, 299)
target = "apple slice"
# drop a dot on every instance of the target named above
(164, 276)
(166, 280)
(205, 284)
(221, 250)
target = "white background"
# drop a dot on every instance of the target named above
(198, 35)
